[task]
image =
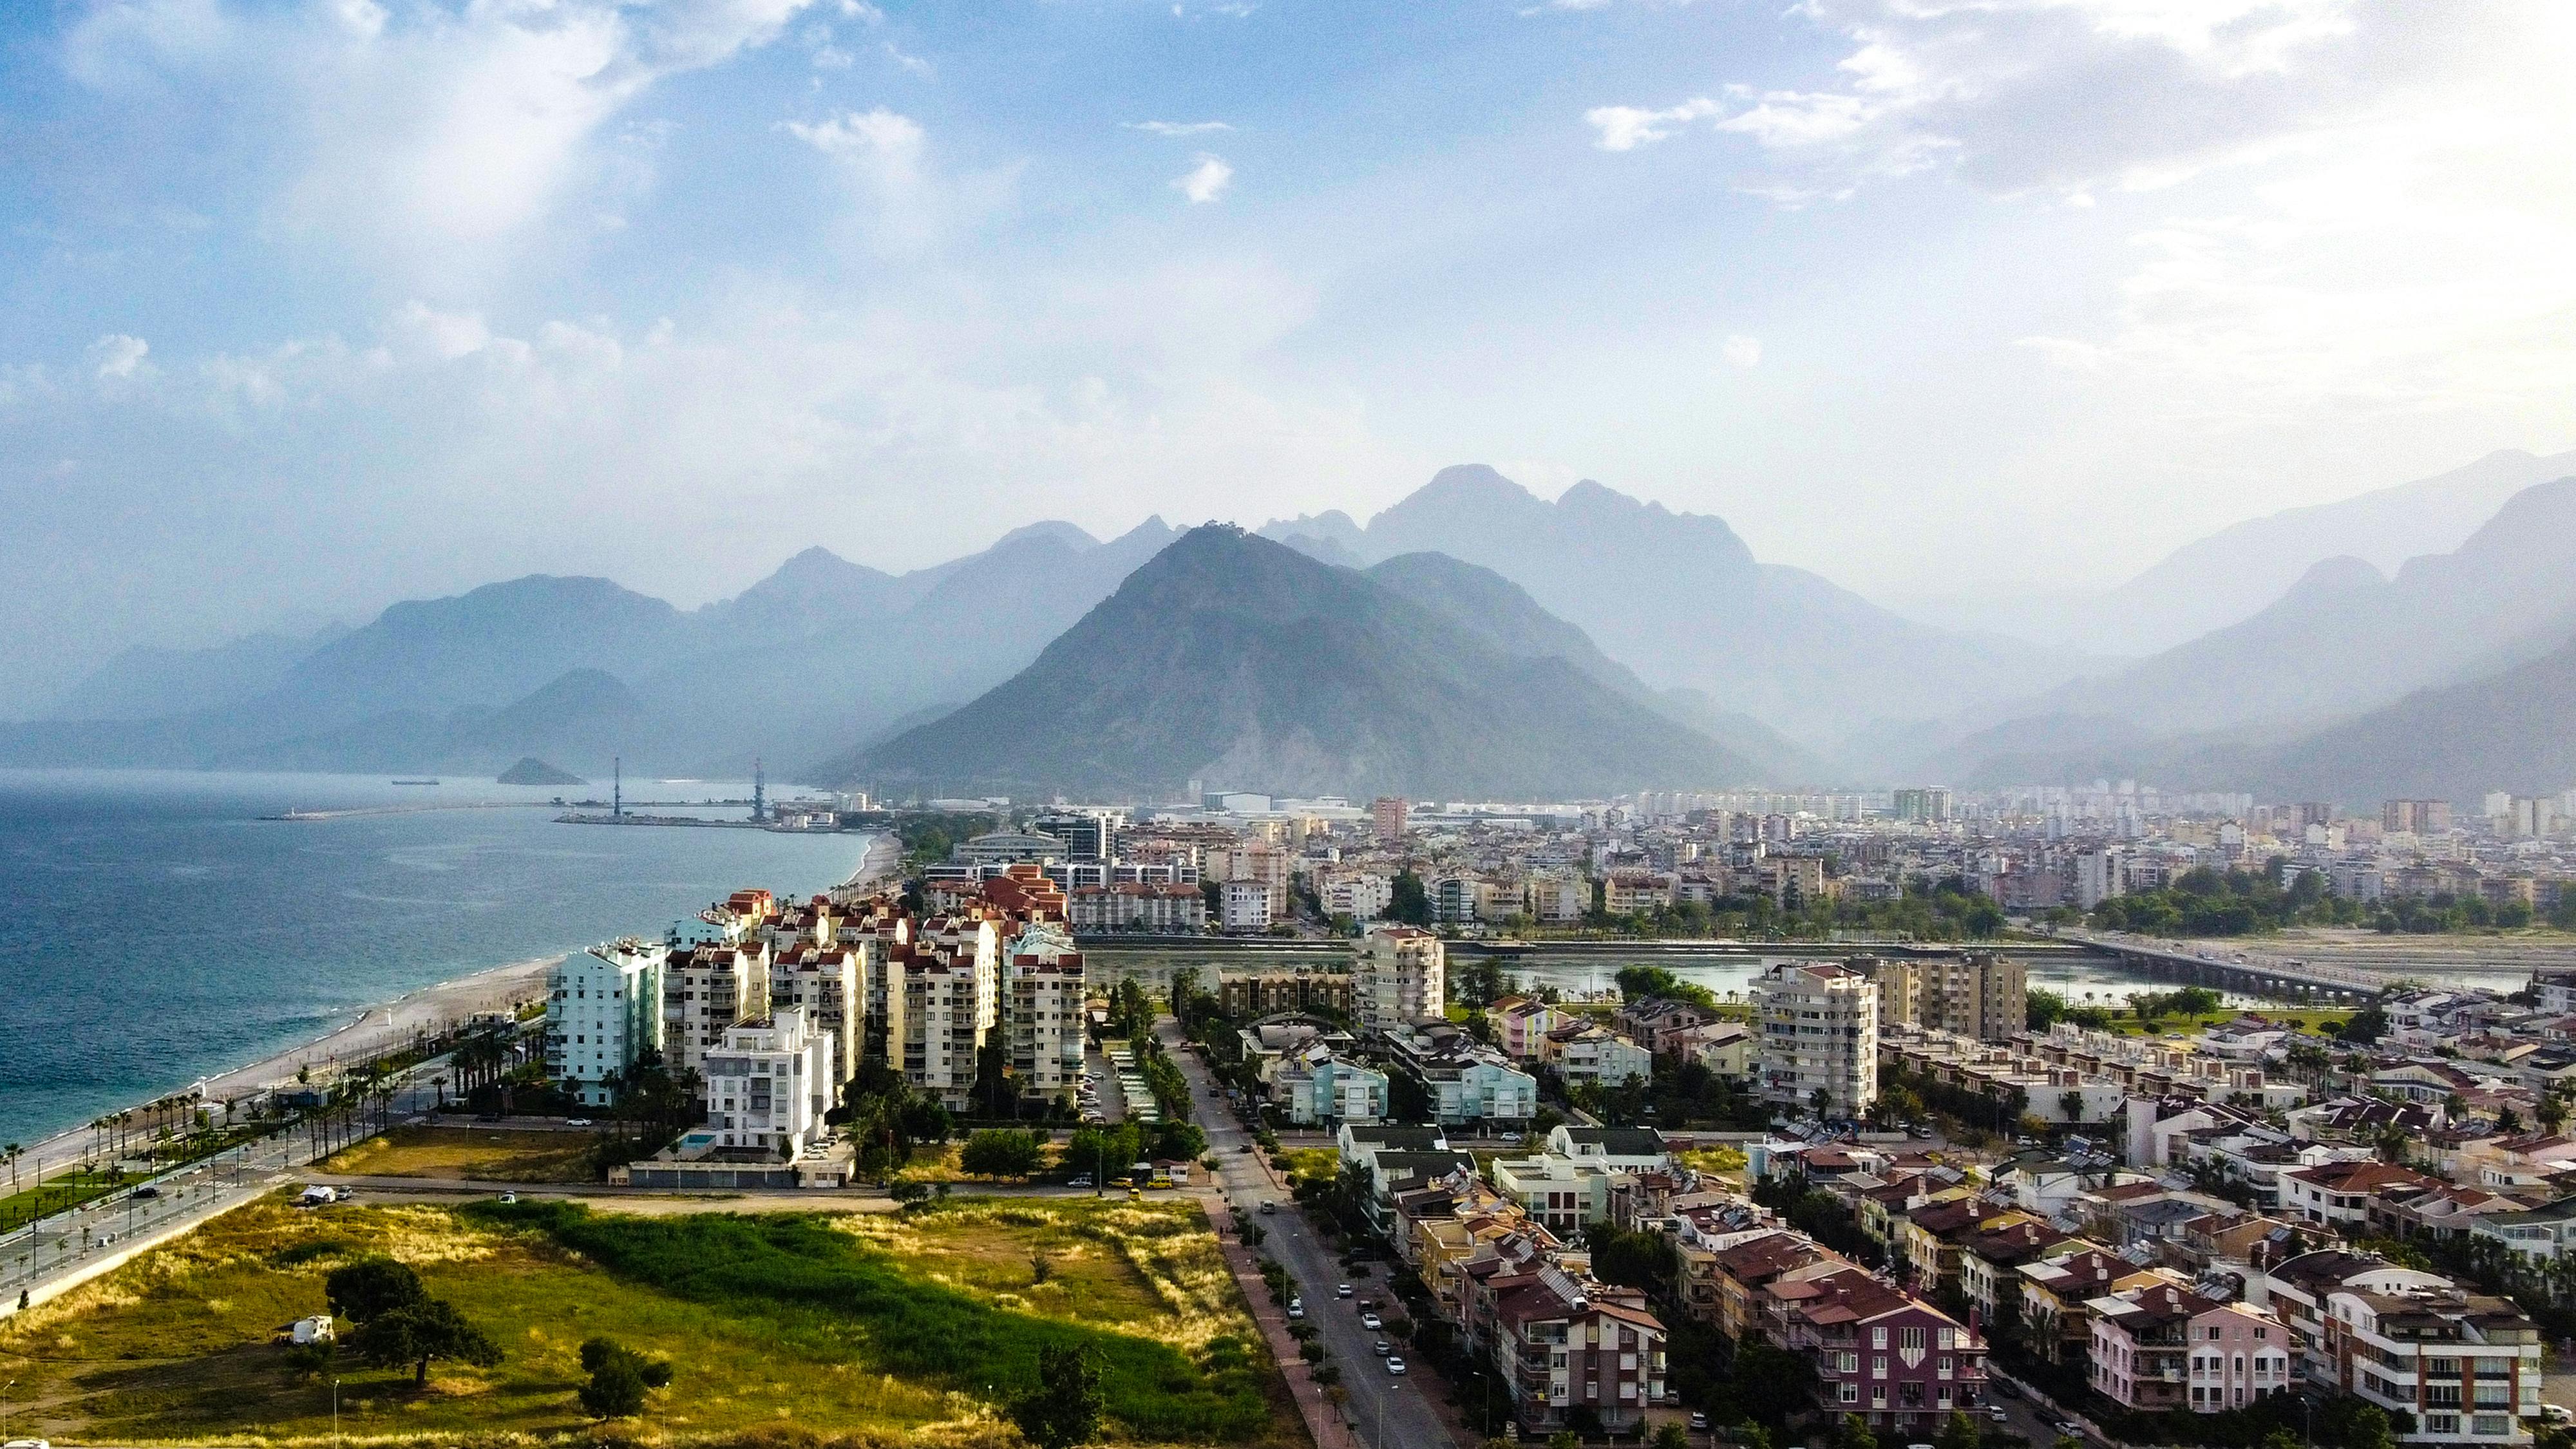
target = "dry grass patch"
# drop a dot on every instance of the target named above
(453, 1154)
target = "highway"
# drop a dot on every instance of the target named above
(71, 1241)
(1390, 1412)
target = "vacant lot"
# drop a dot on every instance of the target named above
(469, 1153)
(865, 1329)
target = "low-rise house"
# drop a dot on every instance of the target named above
(1324, 1089)
(1588, 1053)
(1521, 1024)
(1878, 1352)
(2347, 1196)
(1990, 1262)
(1569, 1347)
(1637, 1149)
(1659, 1022)
(2057, 1321)
(2541, 1235)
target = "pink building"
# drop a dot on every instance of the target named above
(2162, 1347)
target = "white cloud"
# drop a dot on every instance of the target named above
(1625, 128)
(1178, 128)
(913, 63)
(2361, 203)
(1742, 351)
(419, 126)
(880, 142)
(1206, 181)
(117, 355)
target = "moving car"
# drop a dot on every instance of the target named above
(1371, 1322)
(1341, 1290)
(1395, 1365)
(1381, 1348)
(1268, 1207)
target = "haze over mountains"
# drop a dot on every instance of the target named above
(1689, 656)
(1233, 659)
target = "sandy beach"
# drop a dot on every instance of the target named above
(425, 1012)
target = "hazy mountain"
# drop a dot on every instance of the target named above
(2233, 574)
(1507, 619)
(821, 652)
(2347, 638)
(532, 771)
(1681, 600)
(150, 682)
(1236, 660)
(2507, 731)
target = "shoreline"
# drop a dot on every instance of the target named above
(386, 1025)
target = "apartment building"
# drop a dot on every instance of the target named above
(1464, 1080)
(1044, 1011)
(1399, 977)
(706, 989)
(2466, 1365)
(1564, 1343)
(828, 984)
(1878, 1351)
(1586, 1053)
(1362, 895)
(1155, 907)
(1818, 1025)
(769, 1082)
(951, 999)
(1521, 1025)
(2162, 1347)
(1265, 992)
(604, 1014)
(1246, 906)
(1324, 1089)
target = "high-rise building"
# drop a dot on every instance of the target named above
(829, 985)
(604, 1014)
(1976, 994)
(2417, 817)
(1389, 816)
(1399, 977)
(769, 1082)
(1044, 1011)
(707, 989)
(2098, 877)
(1818, 1024)
(1923, 805)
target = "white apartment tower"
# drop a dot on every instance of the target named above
(603, 1014)
(951, 999)
(1399, 977)
(828, 984)
(769, 1082)
(1818, 1025)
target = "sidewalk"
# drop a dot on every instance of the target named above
(1323, 1424)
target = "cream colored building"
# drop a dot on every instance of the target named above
(1817, 1025)
(1399, 977)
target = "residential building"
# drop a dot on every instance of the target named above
(1818, 1024)
(706, 989)
(1265, 992)
(1398, 977)
(1246, 905)
(1362, 895)
(603, 1015)
(2343, 1195)
(1044, 1011)
(828, 984)
(1324, 1089)
(1879, 1352)
(1521, 1025)
(1154, 907)
(1588, 1053)
(1387, 818)
(1564, 1344)
(769, 1082)
(2056, 1299)
(2466, 1365)
(2161, 1347)
(1462, 1080)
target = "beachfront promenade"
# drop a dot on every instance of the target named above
(54, 1254)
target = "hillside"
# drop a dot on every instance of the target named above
(1682, 601)
(1235, 660)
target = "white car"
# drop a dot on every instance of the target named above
(576, 1121)
(1371, 1322)
(1395, 1365)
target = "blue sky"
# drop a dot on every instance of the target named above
(307, 305)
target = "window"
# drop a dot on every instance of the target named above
(1850, 1393)
(1878, 1367)
(1878, 1338)
(2491, 1424)
(2441, 1423)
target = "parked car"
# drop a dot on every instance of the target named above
(1268, 1207)
(1395, 1365)
(1381, 1348)
(509, 1197)
(1699, 1423)
(1371, 1322)
(1080, 1179)
(1996, 1413)
(1341, 1290)
(576, 1121)
(2070, 1428)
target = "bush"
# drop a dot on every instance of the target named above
(1001, 1152)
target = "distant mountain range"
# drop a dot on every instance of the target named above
(1670, 647)
(1681, 600)
(575, 670)
(2235, 573)
(1236, 661)
(2355, 684)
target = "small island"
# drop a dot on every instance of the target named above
(532, 771)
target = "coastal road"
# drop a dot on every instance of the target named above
(71, 1243)
(1389, 1412)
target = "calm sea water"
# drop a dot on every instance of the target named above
(154, 930)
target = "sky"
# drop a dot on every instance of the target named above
(307, 306)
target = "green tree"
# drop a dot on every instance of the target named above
(1854, 1433)
(1065, 1408)
(619, 1379)
(415, 1333)
(2045, 1008)
(1670, 1435)
(1958, 1432)
(372, 1287)
(1001, 1152)
(1407, 901)
(2282, 1439)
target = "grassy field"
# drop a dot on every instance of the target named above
(784, 1328)
(1323, 1162)
(1723, 1161)
(470, 1153)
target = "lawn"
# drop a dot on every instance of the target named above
(862, 1329)
(1320, 1162)
(470, 1153)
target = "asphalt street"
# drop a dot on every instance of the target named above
(1390, 1411)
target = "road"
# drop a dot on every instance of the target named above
(68, 1242)
(1392, 1412)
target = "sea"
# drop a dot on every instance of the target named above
(156, 930)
